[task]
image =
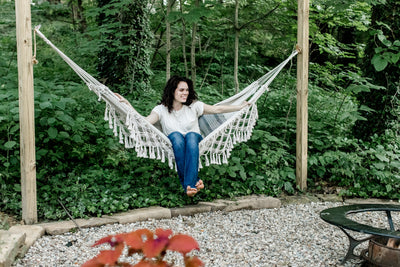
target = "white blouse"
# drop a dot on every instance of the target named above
(184, 120)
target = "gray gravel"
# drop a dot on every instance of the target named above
(293, 235)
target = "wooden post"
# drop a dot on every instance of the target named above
(302, 93)
(168, 41)
(26, 110)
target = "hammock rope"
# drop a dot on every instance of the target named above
(220, 131)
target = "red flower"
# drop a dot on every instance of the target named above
(154, 246)
(182, 243)
(135, 239)
(106, 257)
(144, 263)
(113, 240)
(193, 262)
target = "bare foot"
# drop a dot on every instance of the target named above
(190, 192)
(199, 185)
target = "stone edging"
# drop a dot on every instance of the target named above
(16, 241)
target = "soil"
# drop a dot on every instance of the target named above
(6, 221)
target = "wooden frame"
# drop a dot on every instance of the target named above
(26, 104)
(302, 94)
(26, 110)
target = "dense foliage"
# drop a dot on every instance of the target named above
(81, 164)
(124, 54)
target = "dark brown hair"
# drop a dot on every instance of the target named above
(169, 92)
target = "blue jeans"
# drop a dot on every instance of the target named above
(186, 151)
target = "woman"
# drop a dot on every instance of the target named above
(178, 114)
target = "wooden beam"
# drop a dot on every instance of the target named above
(302, 93)
(26, 110)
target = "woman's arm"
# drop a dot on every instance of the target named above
(152, 118)
(208, 109)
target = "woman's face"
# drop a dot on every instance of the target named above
(181, 92)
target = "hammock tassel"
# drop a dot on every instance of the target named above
(207, 161)
(152, 152)
(128, 120)
(106, 114)
(121, 136)
(224, 158)
(170, 162)
(162, 156)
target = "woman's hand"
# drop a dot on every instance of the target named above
(152, 118)
(245, 104)
(123, 100)
(224, 108)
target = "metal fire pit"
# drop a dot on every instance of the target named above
(337, 216)
(380, 255)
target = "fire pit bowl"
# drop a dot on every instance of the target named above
(379, 254)
(338, 216)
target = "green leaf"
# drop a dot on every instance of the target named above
(357, 88)
(10, 144)
(382, 158)
(60, 104)
(379, 62)
(52, 132)
(379, 166)
(44, 105)
(394, 58)
(389, 187)
(63, 134)
(272, 138)
(384, 40)
(251, 152)
(395, 164)
(17, 187)
(288, 187)
(77, 138)
(365, 108)
(51, 120)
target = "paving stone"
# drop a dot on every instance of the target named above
(330, 197)
(302, 199)
(369, 201)
(252, 202)
(264, 203)
(32, 232)
(142, 215)
(95, 222)
(215, 206)
(57, 228)
(190, 210)
(10, 244)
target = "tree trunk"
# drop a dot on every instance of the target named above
(184, 41)
(236, 59)
(168, 41)
(124, 60)
(385, 102)
(193, 49)
(77, 14)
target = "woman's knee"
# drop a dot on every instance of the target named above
(177, 139)
(193, 139)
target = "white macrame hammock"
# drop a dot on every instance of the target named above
(220, 131)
